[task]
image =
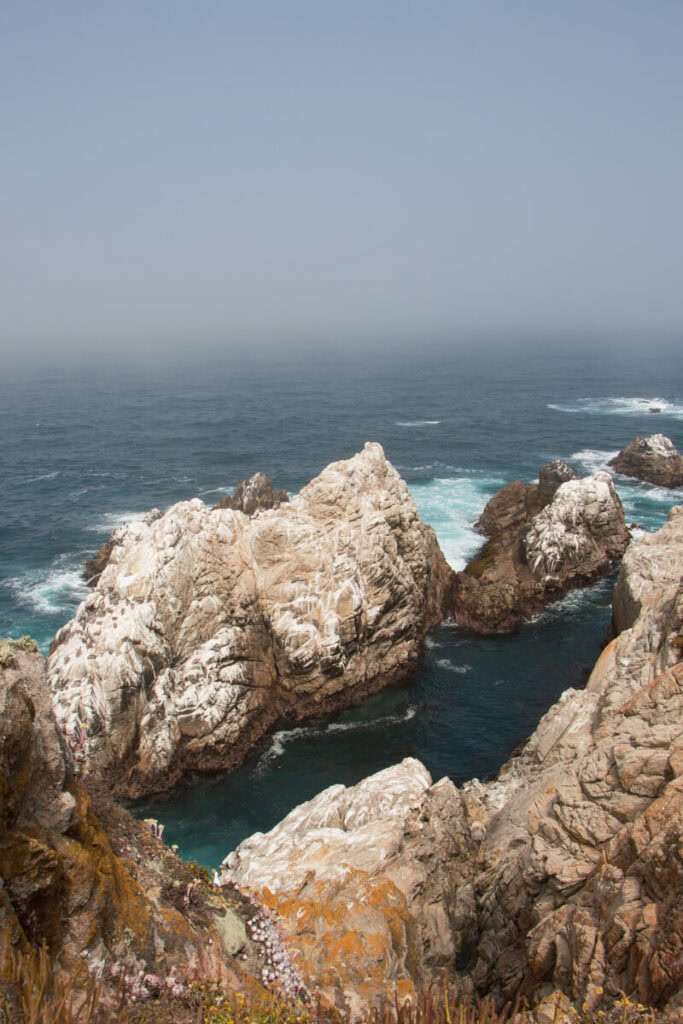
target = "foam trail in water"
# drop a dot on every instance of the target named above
(280, 739)
(623, 407)
(41, 476)
(452, 667)
(417, 423)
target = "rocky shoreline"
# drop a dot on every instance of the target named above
(564, 873)
(561, 876)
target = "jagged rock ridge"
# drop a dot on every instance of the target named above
(254, 495)
(207, 626)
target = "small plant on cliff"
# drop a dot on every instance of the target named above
(9, 647)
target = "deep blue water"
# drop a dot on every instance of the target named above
(82, 451)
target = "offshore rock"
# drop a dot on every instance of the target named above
(653, 459)
(362, 880)
(544, 540)
(253, 495)
(100, 891)
(563, 875)
(207, 626)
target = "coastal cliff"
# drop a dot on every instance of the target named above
(112, 905)
(207, 626)
(564, 873)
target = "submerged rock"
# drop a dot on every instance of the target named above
(653, 459)
(207, 626)
(544, 540)
(563, 875)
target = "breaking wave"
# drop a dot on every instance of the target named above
(622, 407)
(60, 588)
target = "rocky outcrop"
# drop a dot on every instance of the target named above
(207, 626)
(85, 878)
(566, 873)
(545, 539)
(653, 459)
(362, 879)
(254, 495)
(96, 565)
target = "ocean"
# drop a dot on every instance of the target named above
(84, 450)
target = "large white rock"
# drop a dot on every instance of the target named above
(206, 625)
(582, 526)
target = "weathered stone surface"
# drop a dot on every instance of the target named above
(544, 540)
(101, 892)
(254, 495)
(362, 879)
(96, 565)
(653, 459)
(206, 626)
(565, 874)
(579, 880)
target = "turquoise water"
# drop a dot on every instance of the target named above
(84, 451)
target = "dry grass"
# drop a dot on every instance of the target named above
(32, 993)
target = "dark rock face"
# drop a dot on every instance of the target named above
(544, 540)
(254, 494)
(96, 565)
(549, 479)
(653, 459)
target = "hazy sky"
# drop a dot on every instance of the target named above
(181, 173)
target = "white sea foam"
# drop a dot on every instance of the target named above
(622, 407)
(417, 423)
(112, 520)
(41, 476)
(59, 588)
(452, 667)
(280, 739)
(451, 505)
(593, 460)
(430, 643)
(577, 600)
